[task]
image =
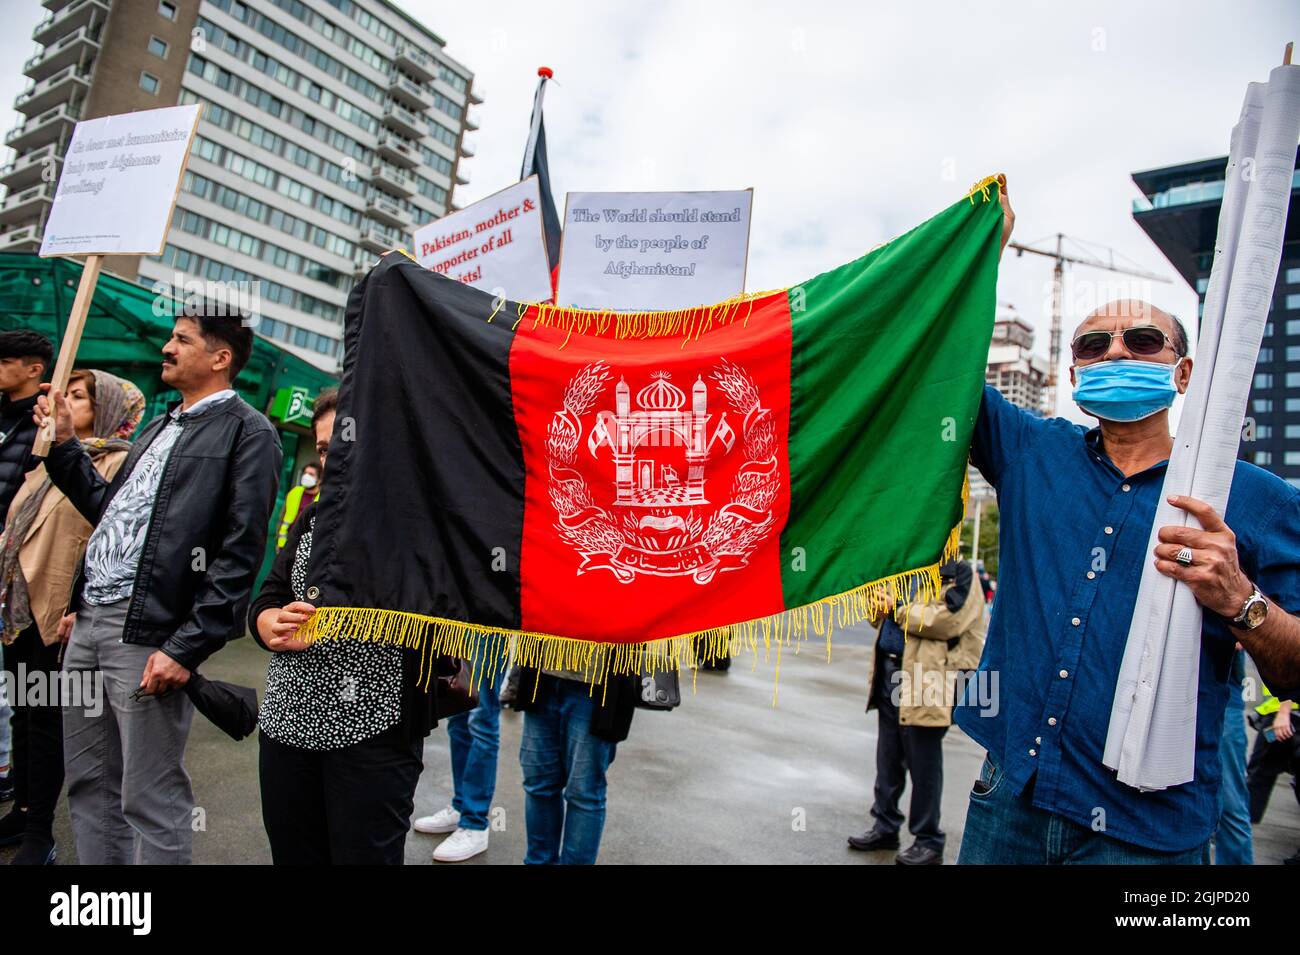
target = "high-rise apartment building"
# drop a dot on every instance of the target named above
(1013, 367)
(330, 130)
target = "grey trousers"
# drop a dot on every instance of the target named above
(128, 792)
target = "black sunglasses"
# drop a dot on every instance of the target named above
(1140, 340)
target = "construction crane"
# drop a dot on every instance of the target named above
(1084, 257)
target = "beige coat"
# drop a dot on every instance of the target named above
(54, 545)
(928, 677)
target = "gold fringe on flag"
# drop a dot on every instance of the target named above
(488, 648)
(689, 323)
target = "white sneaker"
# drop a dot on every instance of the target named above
(461, 845)
(444, 820)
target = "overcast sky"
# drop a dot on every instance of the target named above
(854, 121)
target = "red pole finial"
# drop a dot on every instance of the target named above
(546, 71)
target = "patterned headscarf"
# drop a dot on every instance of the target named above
(119, 406)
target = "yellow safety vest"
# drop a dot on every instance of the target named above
(292, 501)
(1270, 705)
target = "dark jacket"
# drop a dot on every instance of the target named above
(419, 703)
(615, 705)
(19, 431)
(207, 532)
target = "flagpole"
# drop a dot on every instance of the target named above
(68, 348)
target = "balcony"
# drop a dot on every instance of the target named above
(26, 205)
(384, 210)
(54, 6)
(49, 127)
(409, 93)
(403, 121)
(471, 122)
(27, 169)
(398, 151)
(393, 180)
(73, 48)
(71, 82)
(462, 177)
(416, 62)
(467, 149)
(375, 238)
(78, 14)
(475, 96)
(26, 239)
(1190, 194)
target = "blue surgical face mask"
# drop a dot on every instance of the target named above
(1125, 390)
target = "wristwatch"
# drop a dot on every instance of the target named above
(1253, 612)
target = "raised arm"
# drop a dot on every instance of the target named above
(68, 465)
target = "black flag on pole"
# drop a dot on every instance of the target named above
(535, 164)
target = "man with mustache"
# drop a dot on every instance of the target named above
(165, 582)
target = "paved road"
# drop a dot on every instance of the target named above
(726, 778)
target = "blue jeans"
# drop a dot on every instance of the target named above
(1232, 841)
(1003, 828)
(564, 775)
(474, 738)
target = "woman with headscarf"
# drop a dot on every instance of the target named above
(43, 540)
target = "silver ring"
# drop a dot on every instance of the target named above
(1184, 557)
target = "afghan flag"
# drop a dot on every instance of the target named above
(595, 484)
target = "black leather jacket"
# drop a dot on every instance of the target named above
(207, 533)
(18, 431)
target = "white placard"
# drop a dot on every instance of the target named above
(645, 251)
(495, 243)
(119, 182)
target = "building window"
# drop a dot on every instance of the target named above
(1292, 379)
(167, 9)
(1263, 458)
(1293, 431)
(1293, 276)
(1293, 404)
(158, 48)
(1263, 431)
(1263, 380)
(1262, 405)
(1266, 354)
(1293, 302)
(149, 83)
(1202, 284)
(1291, 457)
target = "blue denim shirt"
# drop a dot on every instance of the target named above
(1074, 534)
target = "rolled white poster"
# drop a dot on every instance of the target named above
(1151, 740)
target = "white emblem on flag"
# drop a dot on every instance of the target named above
(662, 520)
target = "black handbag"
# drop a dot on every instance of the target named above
(454, 689)
(660, 690)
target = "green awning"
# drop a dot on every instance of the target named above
(124, 336)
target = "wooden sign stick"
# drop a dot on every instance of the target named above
(68, 349)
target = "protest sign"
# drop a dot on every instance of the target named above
(495, 243)
(119, 183)
(115, 196)
(636, 251)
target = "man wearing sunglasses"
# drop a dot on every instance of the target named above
(1077, 507)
